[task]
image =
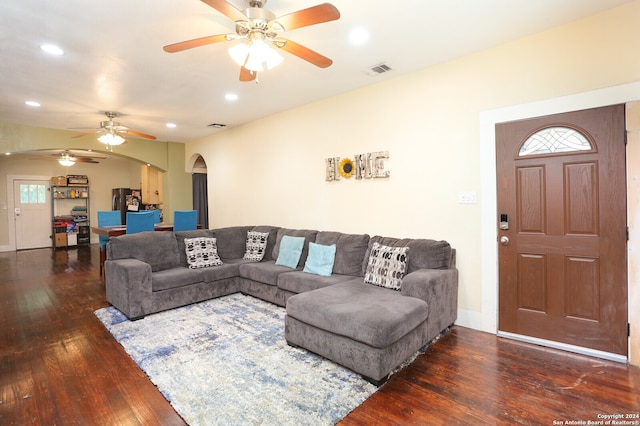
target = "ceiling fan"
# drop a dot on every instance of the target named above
(68, 158)
(259, 31)
(112, 131)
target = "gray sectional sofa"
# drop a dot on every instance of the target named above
(342, 316)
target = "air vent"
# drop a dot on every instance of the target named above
(379, 69)
(217, 125)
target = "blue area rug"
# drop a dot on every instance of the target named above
(226, 361)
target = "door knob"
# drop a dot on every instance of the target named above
(504, 240)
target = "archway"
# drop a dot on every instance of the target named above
(200, 190)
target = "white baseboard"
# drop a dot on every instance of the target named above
(469, 319)
(6, 248)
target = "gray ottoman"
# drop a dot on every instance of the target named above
(368, 329)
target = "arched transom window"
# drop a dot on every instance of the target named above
(554, 140)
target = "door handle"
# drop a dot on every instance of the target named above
(504, 240)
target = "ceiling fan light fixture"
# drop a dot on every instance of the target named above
(255, 55)
(66, 162)
(239, 53)
(111, 139)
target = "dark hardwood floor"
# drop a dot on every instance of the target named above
(58, 365)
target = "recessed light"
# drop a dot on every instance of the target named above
(52, 49)
(359, 36)
(171, 125)
(231, 97)
(33, 103)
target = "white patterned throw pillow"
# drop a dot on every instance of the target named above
(256, 246)
(387, 266)
(201, 252)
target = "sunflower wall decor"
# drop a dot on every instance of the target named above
(365, 166)
(346, 168)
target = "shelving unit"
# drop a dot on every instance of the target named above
(70, 212)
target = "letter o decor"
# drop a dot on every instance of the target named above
(346, 168)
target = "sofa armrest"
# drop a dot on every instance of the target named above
(439, 288)
(128, 286)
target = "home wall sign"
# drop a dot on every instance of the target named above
(363, 166)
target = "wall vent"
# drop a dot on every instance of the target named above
(379, 69)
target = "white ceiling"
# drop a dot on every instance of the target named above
(114, 59)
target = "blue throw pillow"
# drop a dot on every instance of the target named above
(320, 259)
(290, 251)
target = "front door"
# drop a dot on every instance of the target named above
(32, 214)
(562, 228)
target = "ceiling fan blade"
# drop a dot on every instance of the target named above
(247, 75)
(190, 44)
(86, 134)
(304, 53)
(226, 9)
(314, 15)
(84, 160)
(138, 134)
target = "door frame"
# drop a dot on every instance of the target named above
(11, 206)
(487, 319)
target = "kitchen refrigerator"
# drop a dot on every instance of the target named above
(125, 200)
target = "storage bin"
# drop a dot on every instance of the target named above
(61, 239)
(59, 181)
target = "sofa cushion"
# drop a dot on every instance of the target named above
(320, 259)
(299, 281)
(231, 241)
(290, 251)
(181, 235)
(350, 251)
(158, 249)
(201, 252)
(256, 246)
(372, 315)
(387, 266)
(182, 276)
(265, 272)
(309, 235)
(423, 253)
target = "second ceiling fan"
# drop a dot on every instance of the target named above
(112, 131)
(259, 31)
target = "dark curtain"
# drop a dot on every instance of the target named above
(200, 199)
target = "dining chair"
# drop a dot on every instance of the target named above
(185, 220)
(156, 215)
(106, 218)
(140, 222)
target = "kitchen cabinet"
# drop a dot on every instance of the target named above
(151, 186)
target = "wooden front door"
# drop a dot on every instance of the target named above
(562, 228)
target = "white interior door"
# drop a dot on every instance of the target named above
(32, 213)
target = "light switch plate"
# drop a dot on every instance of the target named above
(467, 198)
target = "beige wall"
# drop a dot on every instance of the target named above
(177, 183)
(272, 171)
